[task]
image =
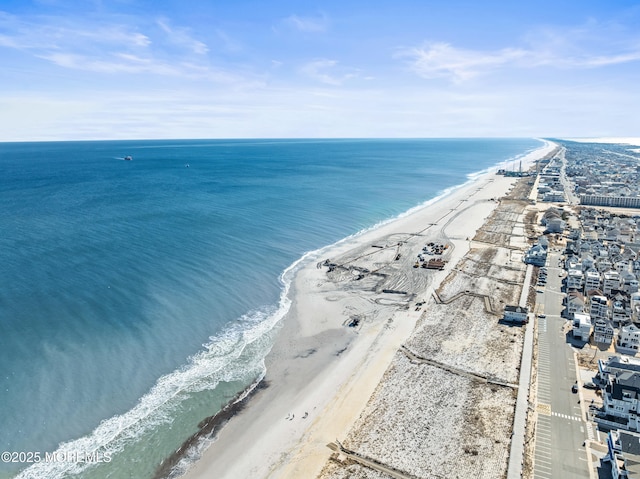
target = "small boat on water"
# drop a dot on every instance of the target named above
(128, 158)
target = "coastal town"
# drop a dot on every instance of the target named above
(592, 191)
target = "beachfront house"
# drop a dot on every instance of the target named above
(554, 196)
(616, 364)
(556, 225)
(516, 314)
(537, 255)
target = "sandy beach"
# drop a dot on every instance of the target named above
(360, 310)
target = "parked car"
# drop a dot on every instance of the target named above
(574, 388)
(590, 385)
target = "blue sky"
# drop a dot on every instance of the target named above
(133, 69)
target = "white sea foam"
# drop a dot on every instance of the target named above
(219, 361)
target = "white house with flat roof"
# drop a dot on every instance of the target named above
(581, 326)
(628, 339)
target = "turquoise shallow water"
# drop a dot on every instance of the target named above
(137, 297)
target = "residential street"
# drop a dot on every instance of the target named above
(561, 429)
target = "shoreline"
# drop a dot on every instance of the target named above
(209, 426)
(321, 373)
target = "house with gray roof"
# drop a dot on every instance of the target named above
(621, 400)
(603, 331)
(624, 454)
(516, 314)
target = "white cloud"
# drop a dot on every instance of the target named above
(585, 47)
(50, 33)
(129, 63)
(116, 63)
(441, 60)
(324, 71)
(318, 70)
(317, 24)
(182, 37)
(615, 59)
(228, 43)
(115, 45)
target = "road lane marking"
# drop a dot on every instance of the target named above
(566, 416)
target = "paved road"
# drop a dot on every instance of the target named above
(561, 430)
(570, 196)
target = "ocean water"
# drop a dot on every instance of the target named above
(138, 297)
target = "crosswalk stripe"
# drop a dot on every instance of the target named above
(565, 416)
